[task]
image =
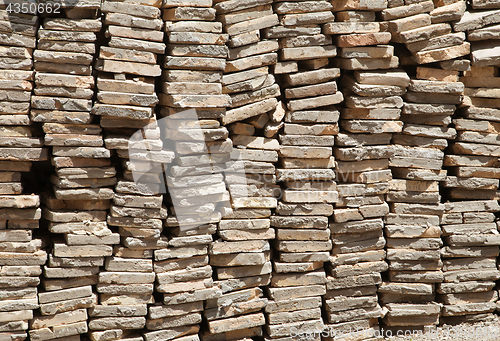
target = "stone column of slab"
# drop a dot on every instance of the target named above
(362, 151)
(414, 201)
(192, 105)
(362, 42)
(412, 228)
(127, 66)
(472, 167)
(469, 227)
(430, 102)
(415, 198)
(472, 158)
(481, 23)
(302, 245)
(305, 169)
(372, 88)
(241, 254)
(412, 248)
(471, 239)
(21, 254)
(76, 208)
(303, 42)
(424, 27)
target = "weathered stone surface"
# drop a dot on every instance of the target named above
(363, 39)
(441, 54)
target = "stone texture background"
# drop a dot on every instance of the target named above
(341, 172)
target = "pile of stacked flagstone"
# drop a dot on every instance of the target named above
(482, 24)
(193, 66)
(301, 40)
(305, 168)
(413, 226)
(413, 231)
(192, 104)
(254, 116)
(425, 29)
(63, 313)
(21, 255)
(241, 255)
(17, 41)
(126, 98)
(473, 155)
(77, 209)
(362, 169)
(296, 178)
(360, 38)
(469, 227)
(471, 241)
(362, 151)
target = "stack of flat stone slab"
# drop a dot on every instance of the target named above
(184, 279)
(63, 310)
(250, 112)
(471, 239)
(362, 45)
(63, 65)
(302, 236)
(192, 105)
(183, 273)
(472, 158)
(306, 171)
(301, 40)
(21, 254)
(482, 24)
(126, 97)
(412, 228)
(197, 194)
(194, 62)
(253, 119)
(362, 156)
(193, 66)
(425, 30)
(241, 254)
(127, 65)
(372, 113)
(247, 78)
(299, 278)
(469, 227)
(241, 263)
(17, 40)
(357, 260)
(77, 209)
(305, 168)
